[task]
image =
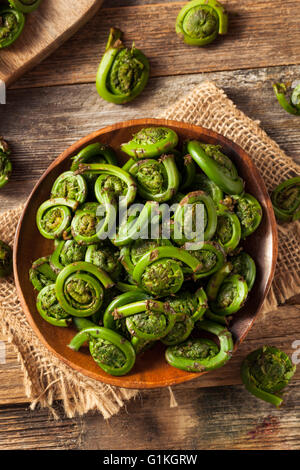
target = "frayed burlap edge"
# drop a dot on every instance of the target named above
(46, 378)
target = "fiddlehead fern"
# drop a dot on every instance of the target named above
(151, 142)
(41, 274)
(186, 218)
(25, 6)
(265, 372)
(286, 200)
(12, 23)
(217, 166)
(290, 104)
(159, 272)
(187, 169)
(249, 212)
(123, 73)
(201, 354)
(49, 308)
(106, 257)
(5, 259)
(200, 21)
(226, 292)
(147, 319)
(228, 231)
(245, 266)
(54, 217)
(66, 252)
(79, 288)
(111, 351)
(188, 309)
(203, 183)
(210, 256)
(132, 253)
(5, 163)
(69, 186)
(157, 180)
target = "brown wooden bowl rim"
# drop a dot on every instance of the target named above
(73, 149)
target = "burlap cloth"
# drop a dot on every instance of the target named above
(46, 378)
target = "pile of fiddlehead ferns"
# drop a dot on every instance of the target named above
(123, 290)
(12, 19)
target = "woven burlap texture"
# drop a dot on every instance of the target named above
(45, 377)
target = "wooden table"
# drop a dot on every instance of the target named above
(56, 104)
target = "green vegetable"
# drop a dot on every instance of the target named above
(210, 257)
(151, 142)
(79, 288)
(123, 73)
(12, 24)
(54, 217)
(249, 212)
(286, 200)
(111, 351)
(49, 308)
(203, 183)
(5, 259)
(245, 266)
(25, 6)
(200, 21)
(228, 232)
(201, 354)
(265, 372)
(290, 104)
(217, 166)
(41, 273)
(157, 180)
(69, 186)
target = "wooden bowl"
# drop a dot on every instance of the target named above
(151, 370)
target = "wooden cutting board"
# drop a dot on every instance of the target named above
(45, 30)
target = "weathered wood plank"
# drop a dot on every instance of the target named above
(74, 111)
(22, 429)
(257, 38)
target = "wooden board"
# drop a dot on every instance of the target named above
(258, 37)
(45, 29)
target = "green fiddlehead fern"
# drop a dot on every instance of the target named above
(132, 253)
(49, 308)
(111, 351)
(286, 200)
(201, 354)
(54, 217)
(200, 21)
(185, 218)
(148, 320)
(5, 163)
(106, 257)
(151, 142)
(226, 292)
(203, 183)
(159, 272)
(249, 212)
(70, 186)
(25, 6)
(157, 180)
(41, 273)
(290, 104)
(186, 168)
(12, 23)
(229, 230)
(5, 259)
(265, 372)
(210, 256)
(217, 166)
(87, 227)
(188, 309)
(66, 252)
(123, 73)
(79, 288)
(244, 265)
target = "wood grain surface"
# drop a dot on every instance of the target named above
(261, 33)
(45, 29)
(50, 118)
